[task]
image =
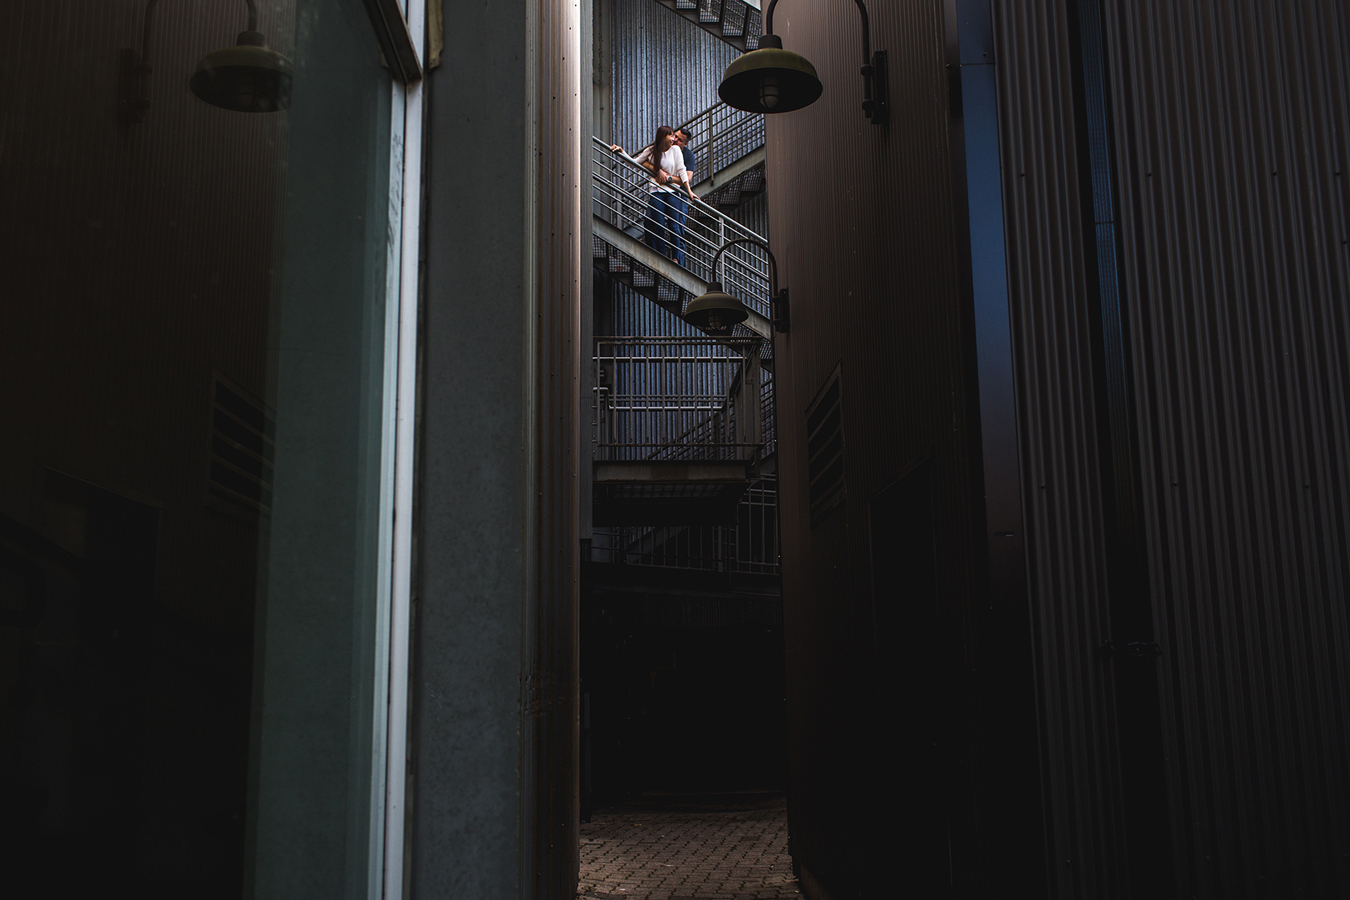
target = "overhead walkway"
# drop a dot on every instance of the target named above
(735, 21)
(679, 428)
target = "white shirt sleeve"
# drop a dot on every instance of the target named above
(673, 162)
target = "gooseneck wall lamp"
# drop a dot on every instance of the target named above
(247, 77)
(717, 310)
(774, 80)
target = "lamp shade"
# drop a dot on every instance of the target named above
(247, 77)
(715, 310)
(770, 80)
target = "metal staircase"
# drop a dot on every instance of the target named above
(682, 425)
(728, 147)
(620, 199)
(684, 470)
(748, 545)
(735, 21)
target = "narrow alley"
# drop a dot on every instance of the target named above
(724, 847)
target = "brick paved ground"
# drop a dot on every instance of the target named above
(672, 854)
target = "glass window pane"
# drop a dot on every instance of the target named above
(194, 460)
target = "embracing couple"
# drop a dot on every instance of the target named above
(671, 163)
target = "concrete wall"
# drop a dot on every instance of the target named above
(495, 685)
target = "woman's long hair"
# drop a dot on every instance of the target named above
(664, 131)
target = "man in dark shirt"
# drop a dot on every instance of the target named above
(682, 138)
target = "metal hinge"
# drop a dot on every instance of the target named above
(1133, 649)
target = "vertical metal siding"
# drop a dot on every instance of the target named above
(754, 214)
(1233, 162)
(868, 236)
(1057, 424)
(666, 70)
(632, 314)
(551, 683)
(172, 221)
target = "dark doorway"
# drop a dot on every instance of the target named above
(683, 680)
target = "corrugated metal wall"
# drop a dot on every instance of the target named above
(666, 70)
(754, 214)
(867, 226)
(628, 313)
(1231, 139)
(1064, 513)
(1230, 216)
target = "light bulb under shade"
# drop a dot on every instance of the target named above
(770, 80)
(768, 92)
(716, 310)
(247, 77)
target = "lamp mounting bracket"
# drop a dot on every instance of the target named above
(876, 88)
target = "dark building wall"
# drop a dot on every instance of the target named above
(189, 709)
(1051, 266)
(1182, 449)
(1232, 157)
(135, 237)
(684, 677)
(904, 684)
(137, 260)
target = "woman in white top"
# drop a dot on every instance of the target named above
(665, 209)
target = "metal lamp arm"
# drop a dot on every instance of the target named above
(876, 93)
(779, 308)
(773, 263)
(150, 8)
(866, 28)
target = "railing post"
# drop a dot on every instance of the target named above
(712, 149)
(721, 242)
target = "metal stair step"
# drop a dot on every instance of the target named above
(734, 21)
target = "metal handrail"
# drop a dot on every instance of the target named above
(749, 546)
(722, 135)
(671, 398)
(621, 196)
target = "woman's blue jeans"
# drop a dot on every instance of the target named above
(665, 224)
